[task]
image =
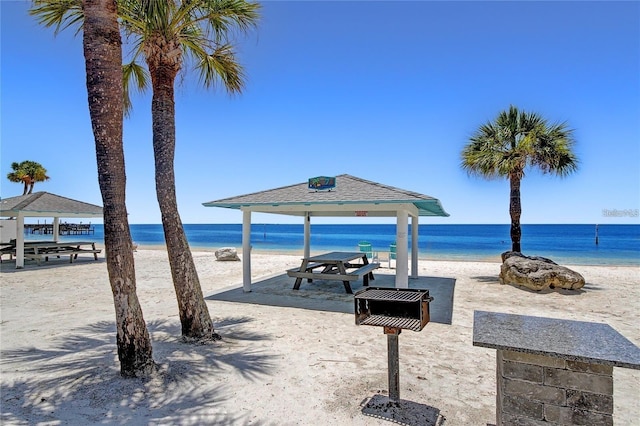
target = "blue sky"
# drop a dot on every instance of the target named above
(386, 91)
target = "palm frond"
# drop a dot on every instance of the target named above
(60, 14)
(554, 151)
(221, 65)
(131, 17)
(224, 15)
(137, 74)
(485, 154)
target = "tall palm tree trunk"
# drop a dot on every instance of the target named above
(515, 210)
(103, 59)
(194, 314)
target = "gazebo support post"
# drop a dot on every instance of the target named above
(19, 241)
(246, 251)
(414, 246)
(307, 234)
(402, 258)
(56, 228)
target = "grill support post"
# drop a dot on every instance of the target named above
(393, 360)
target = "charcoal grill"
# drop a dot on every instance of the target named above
(401, 308)
(394, 309)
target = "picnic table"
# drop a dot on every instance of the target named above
(336, 266)
(42, 250)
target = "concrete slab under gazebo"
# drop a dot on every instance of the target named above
(43, 204)
(340, 196)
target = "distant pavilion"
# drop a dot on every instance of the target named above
(42, 204)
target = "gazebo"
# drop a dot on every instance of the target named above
(340, 196)
(43, 204)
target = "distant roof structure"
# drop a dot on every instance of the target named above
(351, 196)
(44, 204)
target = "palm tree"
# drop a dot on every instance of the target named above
(513, 143)
(27, 173)
(103, 59)
(169, 35)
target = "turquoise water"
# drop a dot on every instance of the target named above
(569, 244)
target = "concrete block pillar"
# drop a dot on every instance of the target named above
(535, 388)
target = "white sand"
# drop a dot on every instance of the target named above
(275, 365)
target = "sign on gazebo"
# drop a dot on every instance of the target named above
(322, 183)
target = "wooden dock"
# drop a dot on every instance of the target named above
(64, 229)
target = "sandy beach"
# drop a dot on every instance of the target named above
(286, 357)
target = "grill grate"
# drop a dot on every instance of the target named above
(397, 322)
(390, 295)
(399, 308)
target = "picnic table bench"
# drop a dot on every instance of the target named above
(42, 250)
(334, 266)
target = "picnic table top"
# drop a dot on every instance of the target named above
(57, 243)
(336, 256)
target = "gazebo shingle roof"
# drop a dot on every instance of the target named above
(349, 190)
(44, 203)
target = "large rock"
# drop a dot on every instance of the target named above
(537, 273)
(227, 253)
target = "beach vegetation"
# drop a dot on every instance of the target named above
(515, 142)
(165, 39)
(102, 46)
(27, 173)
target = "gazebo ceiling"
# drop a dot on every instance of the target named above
(350, 197)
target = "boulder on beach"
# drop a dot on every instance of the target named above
(537, 273)
(227, 253)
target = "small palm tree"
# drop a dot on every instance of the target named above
(515, 141)
(27, 173)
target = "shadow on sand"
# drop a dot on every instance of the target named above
(77, 380)
(321, 295)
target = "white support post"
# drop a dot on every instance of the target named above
(56, 229)
(20, 241)
(414, 246)
(402, 258)
(246, 251)
(307, 235)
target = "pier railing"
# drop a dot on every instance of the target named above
(64, 229)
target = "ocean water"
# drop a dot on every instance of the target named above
(567, 244)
